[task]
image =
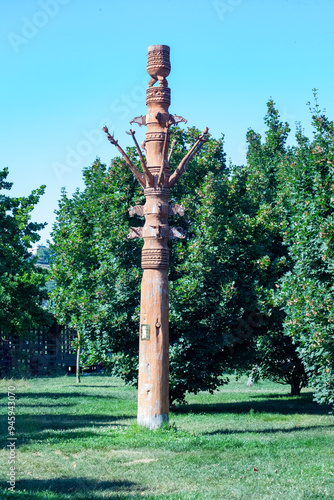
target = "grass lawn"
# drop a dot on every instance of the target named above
(82, 442)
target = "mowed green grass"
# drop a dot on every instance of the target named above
(82, 442)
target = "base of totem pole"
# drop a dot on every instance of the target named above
(153, 377)
(152, 422)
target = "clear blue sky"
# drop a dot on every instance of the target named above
(71, 66)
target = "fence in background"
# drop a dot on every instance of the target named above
(49, 352)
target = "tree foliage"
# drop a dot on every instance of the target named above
(22, 283)
(95, 267)
(274, 352)
(307, 291)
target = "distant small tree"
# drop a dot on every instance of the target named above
(43, 255)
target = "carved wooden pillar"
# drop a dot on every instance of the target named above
(153, 381)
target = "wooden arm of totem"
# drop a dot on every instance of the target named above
(140, 177)
(146, 171)
(172, 149)
(191, 153)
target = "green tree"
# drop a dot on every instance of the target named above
(94, 265)
(258, 258)
(267, 256)
(201, 282)
(43, 255)
(22, 283)
(307, 292)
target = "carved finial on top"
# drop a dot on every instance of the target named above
(158, 64)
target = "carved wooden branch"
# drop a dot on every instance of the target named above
(172, 149)
(191, 153)
(140, 177)
(146, 171)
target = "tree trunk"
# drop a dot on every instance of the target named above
(78, 360)
(295, 386)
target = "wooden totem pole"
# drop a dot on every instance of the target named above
(155, 178)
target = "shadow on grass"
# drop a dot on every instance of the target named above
(56, 395)
(289, 406)
(76, 486)
(54, 427)
(37, 397)
(99, 386)
(304, 396)
(69, 421)
(43, 405)
(54, 438)
(267, 431)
